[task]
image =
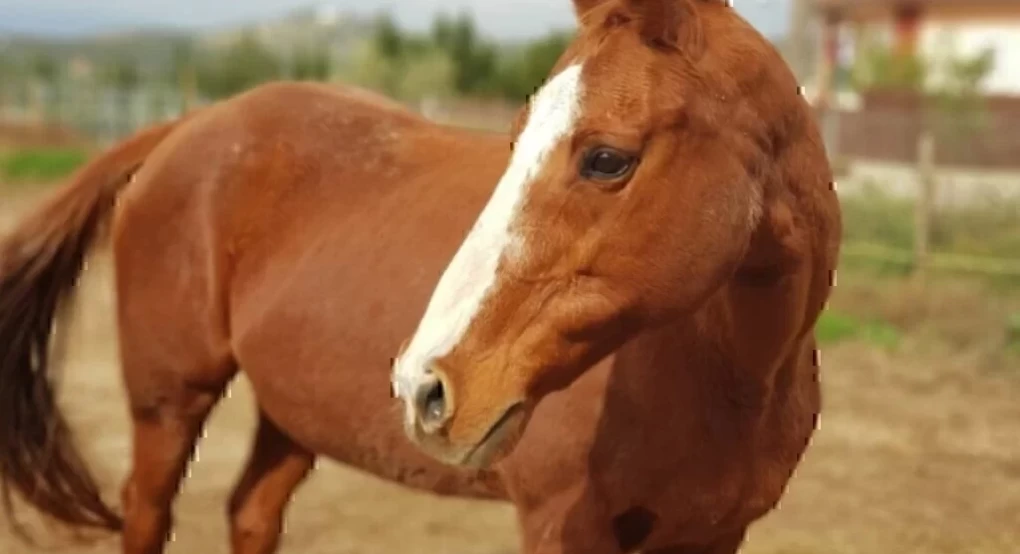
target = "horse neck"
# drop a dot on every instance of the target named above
(745, 362)
(731, 365)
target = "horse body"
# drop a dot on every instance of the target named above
(342, 235)
(296, 232)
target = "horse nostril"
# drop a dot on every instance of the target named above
(433, 403)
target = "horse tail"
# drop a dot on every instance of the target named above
(40, 262)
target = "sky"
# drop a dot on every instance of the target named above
(498, 18)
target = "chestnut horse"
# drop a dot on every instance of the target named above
(620, 340)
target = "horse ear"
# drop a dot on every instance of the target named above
(582, 7)
(669, 24)
(659, 20)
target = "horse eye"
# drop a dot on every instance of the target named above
(605, 164)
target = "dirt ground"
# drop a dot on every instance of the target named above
(914, 455)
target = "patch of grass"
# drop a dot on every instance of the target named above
(959, 317)
(836, 327)
(1013, 333)
(875, 217)
(987, 228)
(833, 327)
(40, 165)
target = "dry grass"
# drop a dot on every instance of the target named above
(915, 455)
(954, 320)
(917, 451)
(39, 136)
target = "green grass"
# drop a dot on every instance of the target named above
(40, 165)
(1013, 333)
(834, 327)
(991, 228)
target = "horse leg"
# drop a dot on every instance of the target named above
(728, 544)
(275, 469)
(165, 433)
(567, 524)
(550, 539)
(571, 524)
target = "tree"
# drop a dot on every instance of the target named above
(122, 74)
(442, 31)
(183, 72)
(797, 40)
(9, 75)
(389, 40)
(312, 63)
(524, 72)
(44, 68)
(245, 64)
(370, 68)
(431, 75)
(879, 67)
(948, 84)
(452, 59)
(474, 61)
(7, 66)
(958, 103)
(182, 61)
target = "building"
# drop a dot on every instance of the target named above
(879, 124)
(936, 29)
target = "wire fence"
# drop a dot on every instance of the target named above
(871, 150)
(100, 114)
(103, 114)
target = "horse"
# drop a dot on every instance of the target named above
(604, 316)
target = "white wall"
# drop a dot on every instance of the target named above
(970, 38)
(960, 38)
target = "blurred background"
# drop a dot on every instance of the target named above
(919, 103)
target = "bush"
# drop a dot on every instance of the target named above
(833, 327)
(40, 165)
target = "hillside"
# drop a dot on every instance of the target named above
(154, 48)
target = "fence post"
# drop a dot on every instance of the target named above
(188, 88)
(925, 203)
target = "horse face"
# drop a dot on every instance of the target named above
(629, 198)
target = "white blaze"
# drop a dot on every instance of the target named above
(472, 272)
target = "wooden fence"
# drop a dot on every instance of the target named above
(887, 127)
(921, 259)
